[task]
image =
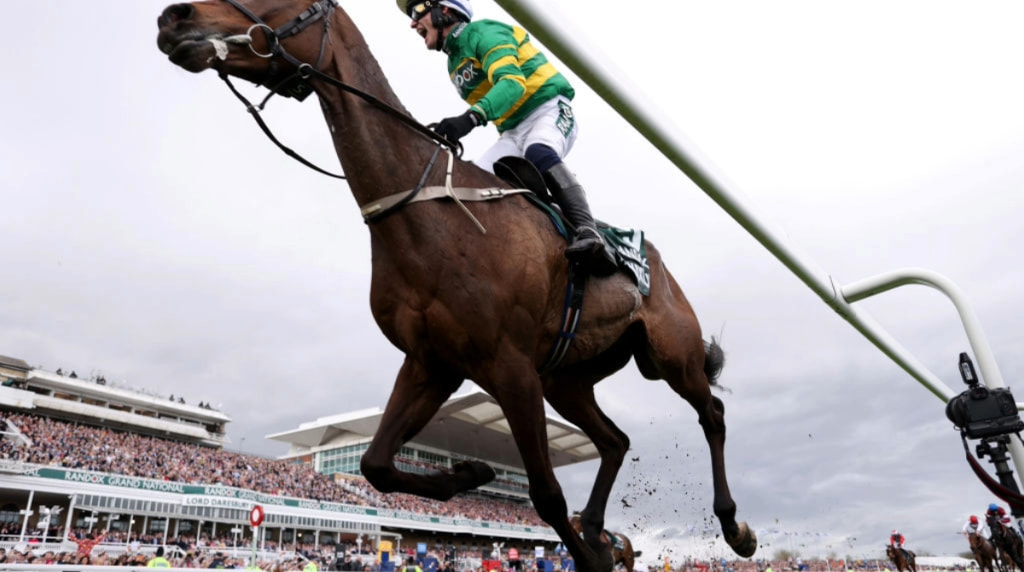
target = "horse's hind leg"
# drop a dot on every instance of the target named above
(574, 400)
(711, 415)
(414, 400)
(676, 353)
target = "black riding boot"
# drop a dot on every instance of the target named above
(587, 245)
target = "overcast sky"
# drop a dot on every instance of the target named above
(151, 233)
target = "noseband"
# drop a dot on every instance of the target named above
(297, 84)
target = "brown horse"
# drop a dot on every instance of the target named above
(984, 552)
(902, 558)
(621, 546)
(459, 303)
(1007, 542)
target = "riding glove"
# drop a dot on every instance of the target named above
(455, 128)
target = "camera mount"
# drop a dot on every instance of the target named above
(995, 448)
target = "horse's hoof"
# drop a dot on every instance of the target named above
(744, 543)
(472, 474)
(605, 559)
(596, 560)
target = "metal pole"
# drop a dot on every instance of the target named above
(255, 533)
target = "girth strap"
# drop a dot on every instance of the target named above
(570, 317)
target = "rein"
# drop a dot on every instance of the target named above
(296, 85)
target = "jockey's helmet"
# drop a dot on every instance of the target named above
(993, 508)
(974, 519)
(463, 7)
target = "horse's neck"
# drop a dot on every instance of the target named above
(379, 154)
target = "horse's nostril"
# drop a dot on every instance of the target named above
(175, 13)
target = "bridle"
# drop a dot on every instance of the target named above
(297, 85)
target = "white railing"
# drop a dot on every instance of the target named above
(585, 61)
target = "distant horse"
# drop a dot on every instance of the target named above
(984, 552)
(460, 303)
(902, 558)
(1009, 544)
(621, 546)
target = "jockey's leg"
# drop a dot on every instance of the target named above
(587, 244)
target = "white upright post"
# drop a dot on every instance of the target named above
(27, 513)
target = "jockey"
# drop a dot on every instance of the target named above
(995, 511)
(975, 526)
(996, 514)
(507, 81)
(896, 540)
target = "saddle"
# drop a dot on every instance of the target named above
(617, 542)
(628, 244)
(520, 172)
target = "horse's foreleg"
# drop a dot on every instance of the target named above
(518, 391)
(575, 401)
(1017, 552)
(414, 400)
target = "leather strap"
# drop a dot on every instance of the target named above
(439, 192)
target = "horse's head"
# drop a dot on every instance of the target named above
(262, 41)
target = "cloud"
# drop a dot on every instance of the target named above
(151, 233)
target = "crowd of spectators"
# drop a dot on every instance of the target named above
(78, 446)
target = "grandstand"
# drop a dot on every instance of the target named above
(82, 457)
(469, 426)
(94, 401)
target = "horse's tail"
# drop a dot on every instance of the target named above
(714, 360)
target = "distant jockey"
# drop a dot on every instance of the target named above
(896, 540)
(975, 526)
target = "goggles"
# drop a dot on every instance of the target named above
(419, 10)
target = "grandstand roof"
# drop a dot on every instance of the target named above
(14, 363)
(73, 398)
(471, 425)
(86, 388)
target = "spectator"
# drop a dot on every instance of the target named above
(411, 566)
(86, 544)
(158, 560)
(83, 447)
(430, 562)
